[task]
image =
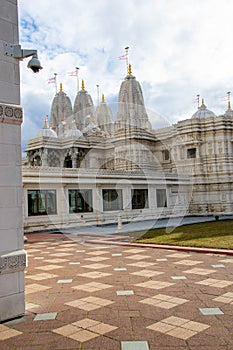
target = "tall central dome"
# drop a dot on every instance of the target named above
(83, 108)
(61, 110)
(131, 108)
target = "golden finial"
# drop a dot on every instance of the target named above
(83, 86)
(60, 86)
(203, 101)
(229, 104)
(46, 122)
(129, 69)
(103, 98)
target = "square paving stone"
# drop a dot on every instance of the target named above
(134, 345)
(46, 316)
(207, 311)
(65, 281)
(125, 292)
(178, 277)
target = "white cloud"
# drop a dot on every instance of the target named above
(177, 49)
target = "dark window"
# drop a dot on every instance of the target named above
(112, 200)
(166, 154)
(191, 153)
(80, 201)
(161, 197)
(42, 202)
(139, 199)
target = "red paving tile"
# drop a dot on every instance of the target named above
(126, 318)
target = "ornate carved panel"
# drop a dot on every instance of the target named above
(11, 114)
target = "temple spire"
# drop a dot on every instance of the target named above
(103, 98)
(60, 87)
(83, 85)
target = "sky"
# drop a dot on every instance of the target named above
(177, 49)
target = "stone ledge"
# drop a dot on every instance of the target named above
(12, 262)
(11, 114)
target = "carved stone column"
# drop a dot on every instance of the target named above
(12, 255)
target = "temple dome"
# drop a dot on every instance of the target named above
(83, 108)
(73, 132)
(104, 116)
(131, 108)
(229, 111)
(46, 131)
(61, 109)
(203, 112)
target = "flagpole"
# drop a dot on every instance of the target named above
(229, 99)
(198, 101)
(55, 77)
(98, 94)
(127, 58)
(77, 78)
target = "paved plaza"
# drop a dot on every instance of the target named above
(102, 296)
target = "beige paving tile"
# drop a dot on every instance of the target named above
(49, 267)
(215, 283)
(138, 257)
(225, 298)
(98, 252)
(178, 255)
(199, 271)
(94, 274)
(57, 260)
(8, 333)
(188, 262)
(34, 287)
(175, 321)
(67, 330)
(154, 284)
(134, 250)
(161, 327)
(86, 323)
(98, 301)
(41, 276)
(164, 301)
(181, 333)
(92, 287)
(83, 336)
(61, 254)
(102, 328)
(142, 264)
(96, 266)
(195, 326)
(147, 273)
(97, 258)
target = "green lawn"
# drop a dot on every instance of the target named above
(217, 234)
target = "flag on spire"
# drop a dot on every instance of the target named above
(73, 74)
(123, 57)
(52, 80)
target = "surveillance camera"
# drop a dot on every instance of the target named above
(34, 64)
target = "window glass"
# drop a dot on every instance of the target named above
(112, 199)
(161, 197)
(139, 198)
(42, 202)
(80, 201)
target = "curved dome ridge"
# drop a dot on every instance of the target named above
(203, 112)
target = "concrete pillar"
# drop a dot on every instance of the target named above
(12, 255)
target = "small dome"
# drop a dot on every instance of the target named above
(46, 131)
(229, 111)
(104, 116)
(92, 129)
(203, 112)
(74, 132)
